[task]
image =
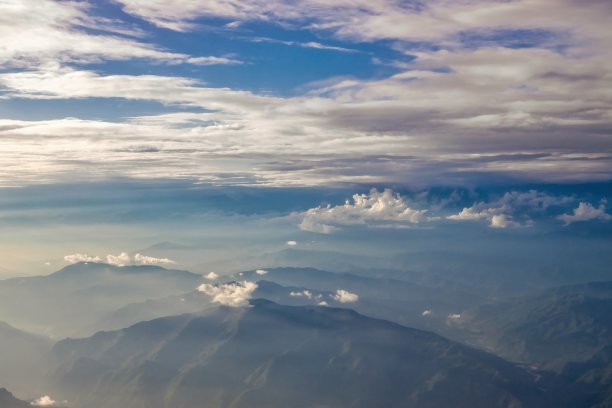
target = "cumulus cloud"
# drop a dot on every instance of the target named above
(122, 259)
(44, 401)
(76, 258)
(384, 207)
(344, 296)
(292, 243)
(501, 213)
(149, 260)
(118, 260)
(211, 276)
(427, 312)
(586, 212)
(304, 293)
(261, 272)
(233, 294)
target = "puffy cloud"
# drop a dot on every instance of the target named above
(149, 260)
(500, 213)
(427, 312)
(304, 293)
(585, 212)
(234, 294)
(261, 272)
(292, 243)
(385, 206)
(211, 276)
(76, 258)
(122, 259)
(44, 401)
(118, 260)
(344, 296)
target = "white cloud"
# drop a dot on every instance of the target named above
(44, 401)
(76, 258)
(149, 260)
(212, 61)
(292, 243)
(211, 276)
(385, 206)
(323, 303)
(427, 312)
(344, 296)
(453, 318)
(585, 212)
(261, 272)
(122, 259)
(500, 213)
(304, 293)
(234, 294)
(118, 260)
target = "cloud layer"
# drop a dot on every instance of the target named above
(513, 90)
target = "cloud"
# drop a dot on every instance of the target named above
(386, 207)
(431, 121)
(344, 296)
(355, 131)
(211, 276)
(310, 44)
(426, 312)
(500, 213)
(122, 259)
(44, 401)
(213, 61)
(234, 294)
(149, 260)
(304, 293)
(119, 260)
(586, 212)
(453, 318)
(76, 258)
(292, 243)
(261, 272)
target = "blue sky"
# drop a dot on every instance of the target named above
(301, 105)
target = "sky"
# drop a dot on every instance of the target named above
(234, 127)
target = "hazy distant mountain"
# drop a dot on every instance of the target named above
(551, 328)
(8, 400)
(270, 355)
(65, 303)
(194, 302)
(21, 356)
(386, 298)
